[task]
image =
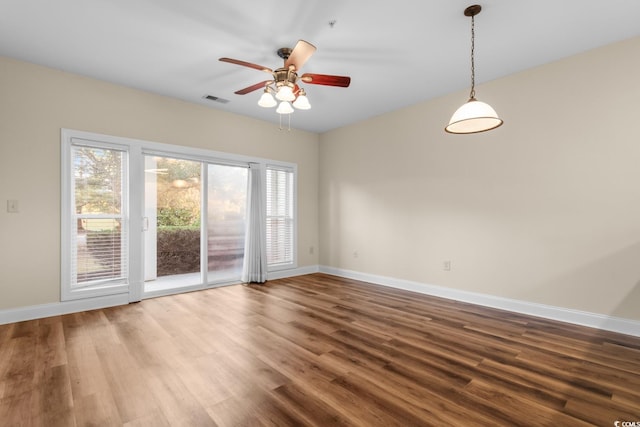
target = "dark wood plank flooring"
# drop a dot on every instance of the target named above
(314, 350)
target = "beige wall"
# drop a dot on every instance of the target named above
(545, 209)
(36, 102)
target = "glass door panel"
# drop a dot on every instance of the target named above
(172, 223)
(226, 216)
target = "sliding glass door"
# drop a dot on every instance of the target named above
(194, 227)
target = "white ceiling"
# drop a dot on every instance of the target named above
(398, 53)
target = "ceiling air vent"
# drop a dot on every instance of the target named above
(216, 99)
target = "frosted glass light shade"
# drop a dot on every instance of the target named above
(284, 108)
(473, 117)
(267, 101)
(285, 93)
(302, 103)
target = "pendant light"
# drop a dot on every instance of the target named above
(474, 116)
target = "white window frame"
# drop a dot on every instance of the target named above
(68, 291)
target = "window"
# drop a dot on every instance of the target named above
(96, 212)
(280, 218)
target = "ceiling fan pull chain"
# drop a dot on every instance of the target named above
(280, 119)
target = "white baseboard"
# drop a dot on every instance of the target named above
(593, 320)
(300, 271)
(599, 321)
(20, 314)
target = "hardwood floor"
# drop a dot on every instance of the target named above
(314, 350)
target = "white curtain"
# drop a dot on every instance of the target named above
(254, 268)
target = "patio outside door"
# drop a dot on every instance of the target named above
(182, 211)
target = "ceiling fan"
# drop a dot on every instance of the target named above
(284, 81)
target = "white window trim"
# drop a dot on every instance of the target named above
(136, 150)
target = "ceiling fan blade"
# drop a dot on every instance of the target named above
(325, 79)
(251, 88)
(300, 54)
(247, 64)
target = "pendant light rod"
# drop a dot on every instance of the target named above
(472, 11)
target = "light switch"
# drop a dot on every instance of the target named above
(12, 206)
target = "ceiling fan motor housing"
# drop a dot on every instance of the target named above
(285, 77)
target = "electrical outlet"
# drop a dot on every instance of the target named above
(446, 265)
(12, 206)
(311, 250)
(355, 254)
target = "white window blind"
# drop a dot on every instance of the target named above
(99, 238)
(280, 217)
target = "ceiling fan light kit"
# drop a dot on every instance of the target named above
(283, 90)
(473, 116)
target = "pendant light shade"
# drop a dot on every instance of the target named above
(302, 102)
(285, 93)
(474, 116)
(284, 108)
(267, 100)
